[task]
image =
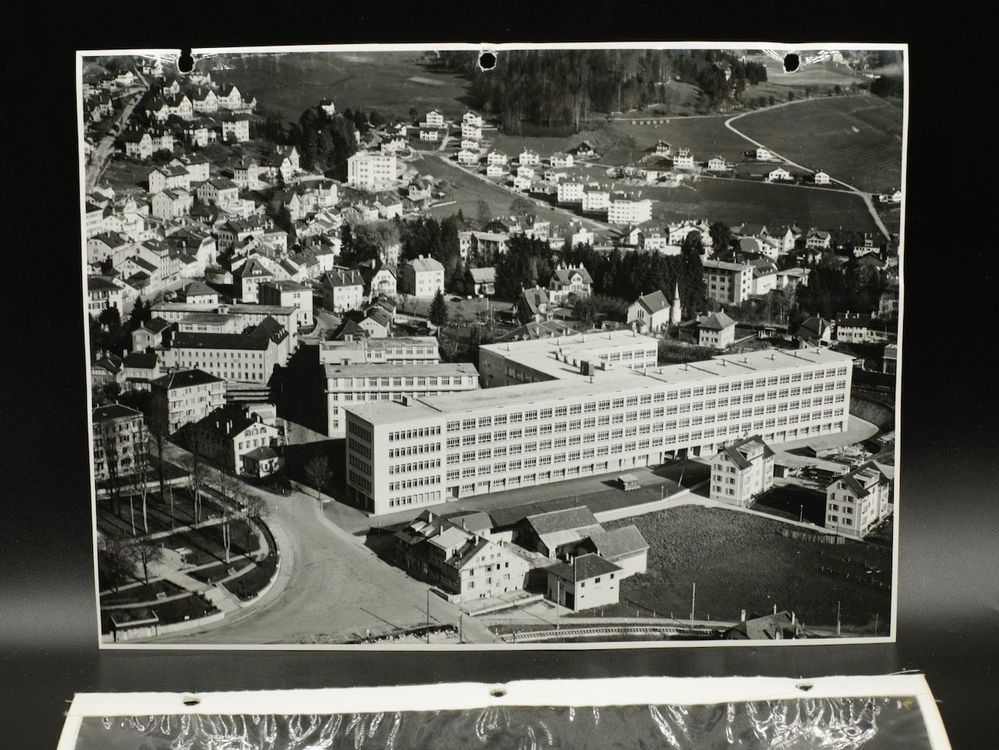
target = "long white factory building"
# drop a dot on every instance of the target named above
(556, 409)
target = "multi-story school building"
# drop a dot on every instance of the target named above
(557, 409)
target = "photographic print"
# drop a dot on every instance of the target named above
(513, 347)
(747, 713)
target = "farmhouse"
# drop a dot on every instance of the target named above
(820, 178)
(779, 175)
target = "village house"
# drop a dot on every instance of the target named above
(172, 204)
(728, 283)
(586, 582)
(227, 434)
(820, 178)
(662, 148)
(818, 240)
(482, 245)
(716, 330)
(764, 276)
(561, 160)
(152, 334)
(495, 170)
(380, 278)
(250, 276)
(139, 369)
(779, 175)
(859, 329)
(569, 283)
(718, 164)
(762, 154)
(482, 281)
(533, 305)
(461, 564)
(858, 501)
(497, 158)
(468, 157)
(431, 135)
(814, 331)
(471, 118)
(584, 150)
(528, 157)
(342, 289)
(221, 192)
(741, 471)
(236, 128)
(171, 175)
(143, 144)
(471, 132)
(422, 277)
(684, 159)
(557, 532)
(434, 119)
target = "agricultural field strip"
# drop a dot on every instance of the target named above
(863, 196)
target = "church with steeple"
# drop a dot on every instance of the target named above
(655, 312)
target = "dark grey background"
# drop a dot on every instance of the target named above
(948, 594)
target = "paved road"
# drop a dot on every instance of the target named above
(334, 587)
(102, 151)
(866, 197)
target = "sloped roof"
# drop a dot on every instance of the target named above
(483, 275)
(186, 379)
(141, 360)
(584, 568)
(564, 275)
(716, 321)
(813, 328)
(654, 301)
(613, 544)
(114, 411)
(424, 264)
(561, 520)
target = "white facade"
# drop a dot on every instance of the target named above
(741, 471)
(728, 283)
(858, 501)
(543, 430)
(570, 192)
(626, 211)
(353, 384)
(371, 171)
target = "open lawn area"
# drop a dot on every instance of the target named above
(127, 174)
(737, 201)
(177, 610)
(464, 192)
(857, 139)
(387, 82)
(205, 544)
(705, 136)
(740, 561)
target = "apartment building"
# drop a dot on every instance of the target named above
(584, 405)
(369, 170)
(226, 435)
(117, 430)
(858, 501)
(623, 210)
(352, 384)
(289, 294)
(422, 277)
(728, 283)
(741, 471)
(183, 397)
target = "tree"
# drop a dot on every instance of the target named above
(483, 213)
(520, 206)
(141, 473)
(198, 476)
(116, 558)
(145, 551)
(318, 470)
(112, 457)
(438, 310)
(110, 319)
(231, 497)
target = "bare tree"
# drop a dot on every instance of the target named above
(141, 463)
(198, 475)
(233, 499)
(318, 471)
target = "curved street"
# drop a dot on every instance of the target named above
(331, 588)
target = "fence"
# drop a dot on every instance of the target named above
(806, 536)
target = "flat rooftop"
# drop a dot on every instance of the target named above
(380, 343)
(549, 355)
(390, 369)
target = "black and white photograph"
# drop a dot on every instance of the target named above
(519, 347)
(873, 713)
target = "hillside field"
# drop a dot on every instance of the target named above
(705, 136)
(857, 139)
(387, 82)
(736, 201)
